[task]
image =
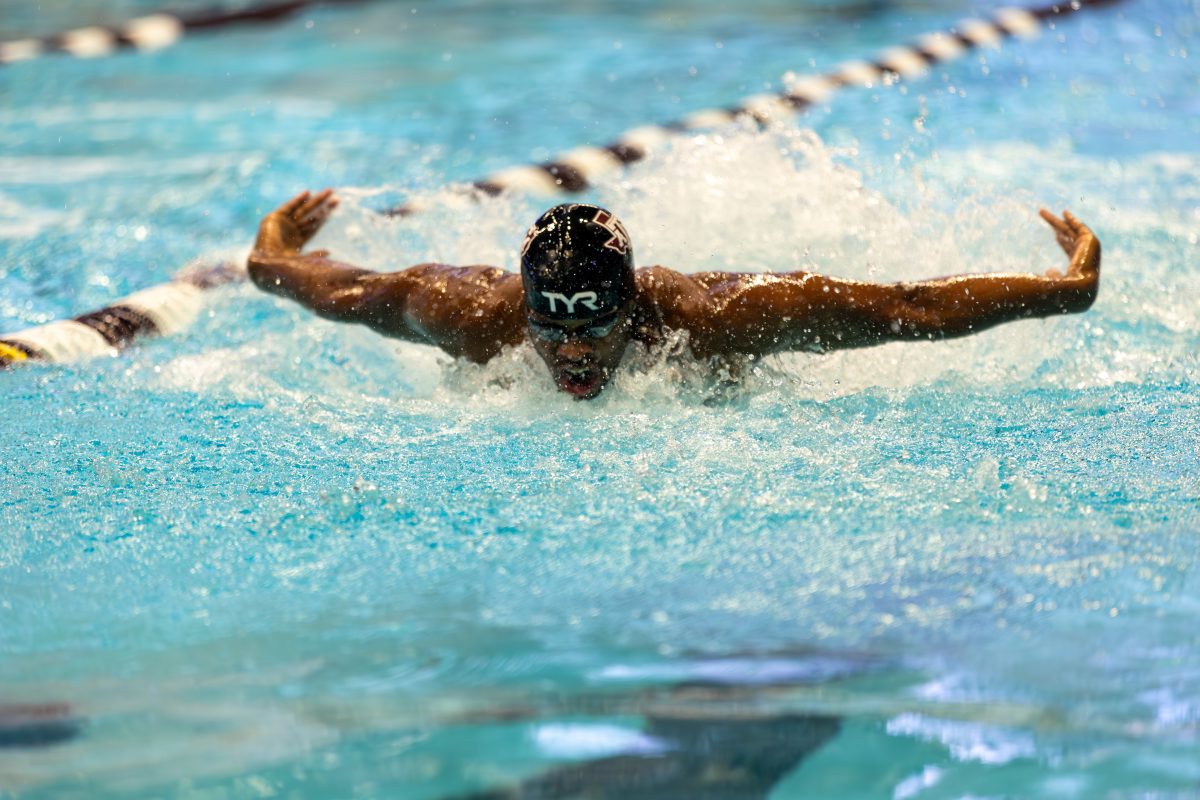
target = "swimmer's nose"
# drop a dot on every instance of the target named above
(575, 350)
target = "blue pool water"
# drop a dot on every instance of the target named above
(272, 556)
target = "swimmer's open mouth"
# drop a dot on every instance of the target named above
(582, 381)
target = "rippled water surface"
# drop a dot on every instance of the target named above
(273, 556)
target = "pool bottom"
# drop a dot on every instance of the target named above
(735, 728)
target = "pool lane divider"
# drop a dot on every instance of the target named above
(575, 170)
(170, 307)
(157, 311)
(151, 32)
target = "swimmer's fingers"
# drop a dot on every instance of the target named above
(1062, 231)
(312, 214)
(278, 232)
(308, 204)
(321, 213)
(288, 228)
(289, 208)
(1060, 226)
(1085, 257)
(1076, 225)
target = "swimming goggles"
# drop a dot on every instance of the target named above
(557, 333)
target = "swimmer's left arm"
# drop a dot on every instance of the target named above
(772, 313)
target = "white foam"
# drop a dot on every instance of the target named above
(913, 785)
(578, 740)
(966, 741)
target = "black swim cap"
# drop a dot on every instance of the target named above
(577, 263)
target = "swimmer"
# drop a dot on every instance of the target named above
(580, 301)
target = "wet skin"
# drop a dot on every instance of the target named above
(475, 312)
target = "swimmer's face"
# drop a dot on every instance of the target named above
(582, 354)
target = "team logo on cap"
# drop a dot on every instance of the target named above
(619, 240)
(529, 237)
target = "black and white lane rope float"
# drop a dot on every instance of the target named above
(156, 311)
(575, 170)
(170, 307)
(151, 32)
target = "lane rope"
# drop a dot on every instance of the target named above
(575, 170)
(157, 311)
(170, 307)
(151, 32)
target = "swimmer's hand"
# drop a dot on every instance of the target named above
(288, 228)
(1078, 242)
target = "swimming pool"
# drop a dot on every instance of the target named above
(272, 556)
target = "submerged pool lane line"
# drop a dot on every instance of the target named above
(170, 307)
(37, 724)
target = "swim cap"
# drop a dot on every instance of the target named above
(577, 263)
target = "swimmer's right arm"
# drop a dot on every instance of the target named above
(331, 289)
(466, 311)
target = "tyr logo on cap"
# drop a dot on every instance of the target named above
(619, 240)
(587, 298)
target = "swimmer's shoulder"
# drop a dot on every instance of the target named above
(665, 282)
(453, 276)
(469, 311)
(668, 298)
(698, 303)
(476, 294)
(452, 282)
(664, 285)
